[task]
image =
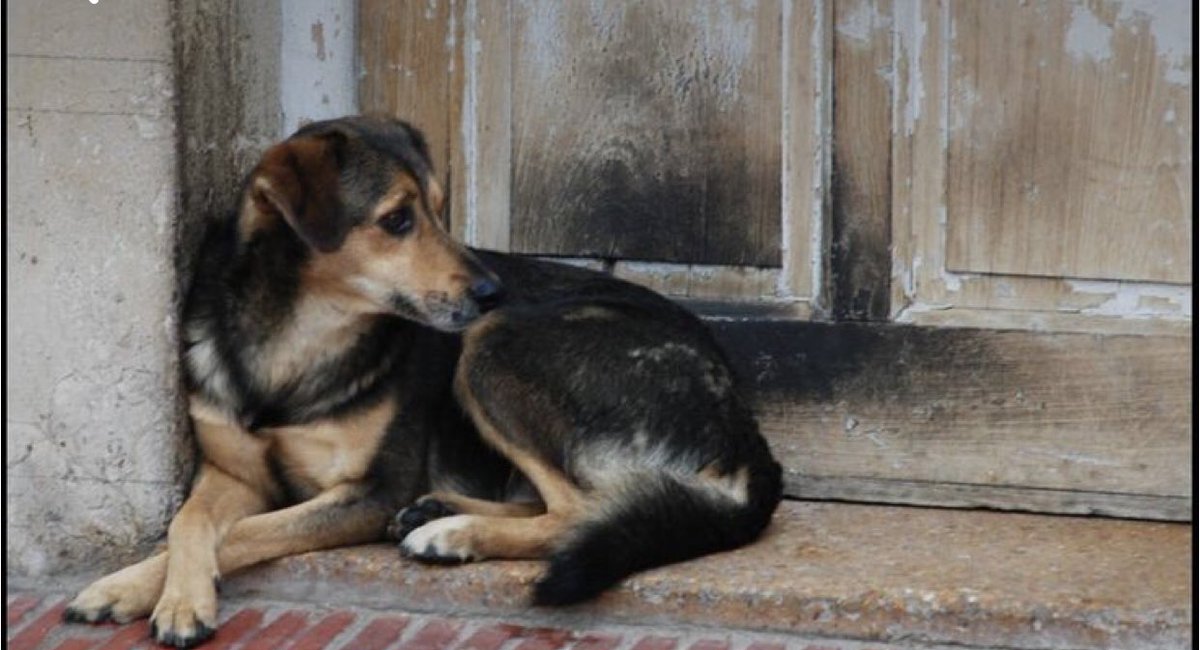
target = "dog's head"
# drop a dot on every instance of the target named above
(360, 194)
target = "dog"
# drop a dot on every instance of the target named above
(354, 373)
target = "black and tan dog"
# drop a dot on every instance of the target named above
(585, 420)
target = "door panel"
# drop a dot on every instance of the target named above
(966, 251)
(647, 130)
(1069, 141)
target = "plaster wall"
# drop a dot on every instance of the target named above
(130, 124)
(96, 458)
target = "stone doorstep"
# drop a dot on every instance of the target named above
(847, 573)
(842, 571)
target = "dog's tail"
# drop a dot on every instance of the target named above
(657, 519)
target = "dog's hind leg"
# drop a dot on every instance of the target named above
(437, 505)
(501, 530)
(465, 505)
(459, 538)
(497, 533)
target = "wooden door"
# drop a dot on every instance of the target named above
(1044, 168)
(650, 138)
(948, 243)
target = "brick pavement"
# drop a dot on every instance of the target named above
(34, 622)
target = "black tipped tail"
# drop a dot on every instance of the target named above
(659, 520)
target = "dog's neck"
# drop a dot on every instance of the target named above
(263, 347)
(317, 331)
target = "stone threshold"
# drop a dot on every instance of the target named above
(865, 573)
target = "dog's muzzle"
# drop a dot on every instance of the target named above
(453, 315)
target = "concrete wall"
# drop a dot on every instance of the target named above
(95, 454)
(317, 68)
(130, 123)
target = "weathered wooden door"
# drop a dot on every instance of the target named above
(948, 242)
(647, 137)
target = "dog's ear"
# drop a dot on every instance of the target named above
(298, 180)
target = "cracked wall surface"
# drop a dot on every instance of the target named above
(97, 459)
(131, 123)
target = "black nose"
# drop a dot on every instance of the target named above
(487, 293)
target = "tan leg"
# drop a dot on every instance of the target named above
(338, 517)
(187, 611)
(122, 596)
(341, 516)
(179, 581)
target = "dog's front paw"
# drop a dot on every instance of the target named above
(423, 511)
(185, 618)
(444, 541)
(120, 597)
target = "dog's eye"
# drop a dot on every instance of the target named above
(399, 221)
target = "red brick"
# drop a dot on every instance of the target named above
(324, 632)
(18, 607)
(279, 631)
(75, 644)
(136, 634)
(379, 634)
(33, 633)
(544, 639)
(710, 644)
(656, 643)
(436, 635)
(491, 637)
(597, 642)
(232, 630)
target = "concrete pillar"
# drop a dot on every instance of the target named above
(96, 458)
(131, 124)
